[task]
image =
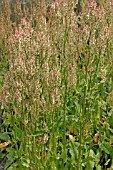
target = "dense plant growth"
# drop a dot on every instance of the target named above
(56, 81)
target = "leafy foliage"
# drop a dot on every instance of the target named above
(56, 81)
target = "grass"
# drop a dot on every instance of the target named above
(56, 76)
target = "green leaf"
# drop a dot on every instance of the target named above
(10, 168)
(73, 149)
(90, 165)
(11, 152)
(9, 161)
(106, 147)
(4, 136)
(99, 167)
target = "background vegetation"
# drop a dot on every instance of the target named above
(56, 78)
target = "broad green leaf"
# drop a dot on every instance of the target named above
(4, 136)
(9, 162)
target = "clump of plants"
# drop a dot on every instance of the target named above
(57, 90)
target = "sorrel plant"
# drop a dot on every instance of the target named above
(57, 93)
